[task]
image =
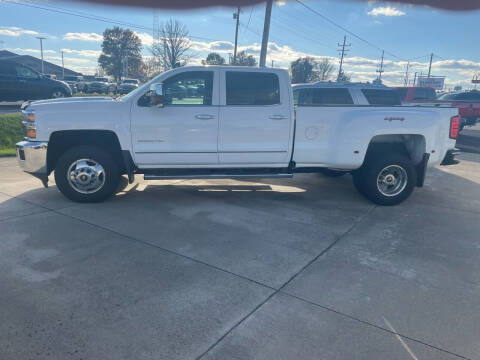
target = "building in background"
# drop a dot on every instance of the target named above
(36, 64)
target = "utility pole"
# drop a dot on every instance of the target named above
(430, 66)
(342, 55)
(63, 67)
(406, 73)
(272, 63)
(415, 79)
(380, 70)
(266, 30)
(237, 17)
(41, 50)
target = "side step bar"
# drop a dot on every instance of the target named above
(216, 176)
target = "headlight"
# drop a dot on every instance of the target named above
(29, 122)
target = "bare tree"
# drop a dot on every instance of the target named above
(324, 69)
(171, 48)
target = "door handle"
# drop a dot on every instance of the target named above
(204, 117)
(278, 117)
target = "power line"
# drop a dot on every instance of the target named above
(249, 18)
(94, 17)
(345, 29)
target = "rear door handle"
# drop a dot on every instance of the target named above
(204, 116)
(278, 117)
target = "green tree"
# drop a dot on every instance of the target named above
(213, 59)
(120, 53)
(302, 70)
(243, 59)
(307, 69)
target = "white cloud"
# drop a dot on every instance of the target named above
(16, 31)
(145, 38)
(67, 60)
(83, 36)
(31, 51)
(386, 11)
(280, 2)
(86, 53)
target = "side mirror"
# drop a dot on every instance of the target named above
(157, 89)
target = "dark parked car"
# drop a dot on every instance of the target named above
(19, 82)
(127, 85)
(101, 85)
(73, 81)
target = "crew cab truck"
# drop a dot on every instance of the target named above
(233, 122)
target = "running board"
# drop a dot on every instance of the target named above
(215, 176)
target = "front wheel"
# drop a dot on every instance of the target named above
(386, 180)
(87, 174)
(58, 94)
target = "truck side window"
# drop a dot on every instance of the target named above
(402, 93)
(252, 88)
(424, 94)
(381, 97)
(324, 96)
(189, 88)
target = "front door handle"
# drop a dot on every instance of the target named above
(204, 116)
(278, 117)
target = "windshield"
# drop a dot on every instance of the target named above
(447, 97)
(130, 81)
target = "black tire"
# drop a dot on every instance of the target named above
(357, 177)
(55, 92)
(111, 173)
(365, 179)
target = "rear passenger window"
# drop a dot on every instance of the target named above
(381, 97)
(324, 96)
(6, 69)
(252, 88)
(424, 94)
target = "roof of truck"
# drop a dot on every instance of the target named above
(331, 84)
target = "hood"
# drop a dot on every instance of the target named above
(86, 100)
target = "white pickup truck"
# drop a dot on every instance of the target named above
(232, 122)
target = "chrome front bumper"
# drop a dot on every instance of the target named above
(32, 158)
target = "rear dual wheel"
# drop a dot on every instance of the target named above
(386, 179)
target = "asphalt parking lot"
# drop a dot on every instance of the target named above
(279, 269)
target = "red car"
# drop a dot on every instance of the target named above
(468, 102)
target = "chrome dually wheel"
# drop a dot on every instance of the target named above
(86, 176)
(392, 180)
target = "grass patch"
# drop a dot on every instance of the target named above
(11, 132)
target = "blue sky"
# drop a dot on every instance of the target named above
(404, 32)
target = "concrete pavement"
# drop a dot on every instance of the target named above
(279, 269)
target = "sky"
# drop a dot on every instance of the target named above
(405, 33)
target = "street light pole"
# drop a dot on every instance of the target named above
(237, 17)
(63, 67)
(41, 51)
